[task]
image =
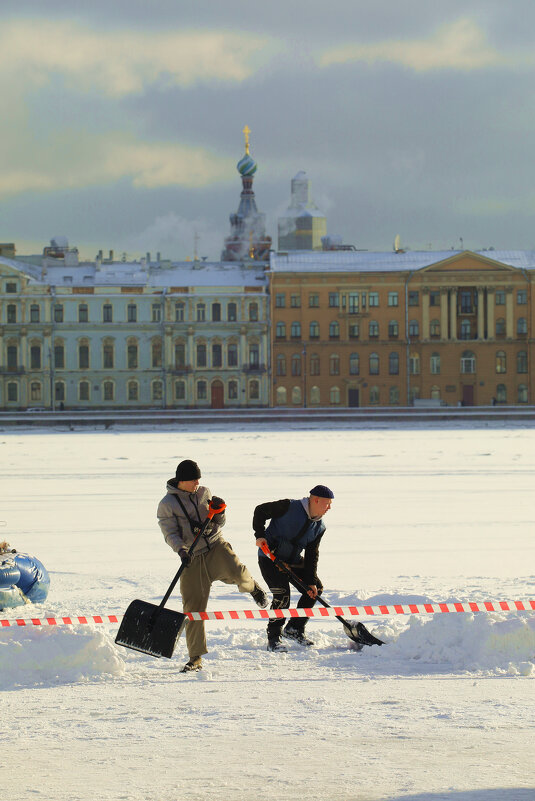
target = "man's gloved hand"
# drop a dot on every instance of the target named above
(185, 557)
(216, 502)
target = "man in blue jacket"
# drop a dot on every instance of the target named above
(294, 536)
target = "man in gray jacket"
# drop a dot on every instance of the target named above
(181, 513)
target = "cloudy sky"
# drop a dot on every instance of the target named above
(122, 120)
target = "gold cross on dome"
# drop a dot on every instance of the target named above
(247, 131)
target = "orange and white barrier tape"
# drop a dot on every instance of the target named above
(319, 612)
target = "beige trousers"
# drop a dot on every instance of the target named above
(220, 563)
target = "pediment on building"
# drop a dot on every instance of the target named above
(469, 261)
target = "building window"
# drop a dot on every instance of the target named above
(253, 312)
(435, 392)
(522, 297)
(281, 396)
(58, 313)
(108, 356)
(296, 395)
(373, 329)
(313, 301)
(83, 356)
(254, 390)
(522, 361)
(373, 299)
(107, 313)
(500, 327)
(12, 392)
(35, 313)
(434, 328)
(466, 329)
(216, 312)
(354, 331)
(522, 396)
(353, 302)
(295, 301)
(314, 364)
(334, 364)
(201, 312)
(354, 364)
(59, 391)
(394, 396)
(501, 362)
(11, 313)
(132, 356)
(499, 297)
(156, 313)
(11, 288)
(393, 329)
(280, 331)
(132, 391)
(466, 302)
(201, 355)
(414, 298)
(281, 364)
(296, 364)
(295, 331)
(35, 391)
(131, 313)
(232, 355)
(254, 356)
(521, 326)
(393, 299)
(414, 328)
(315, 396)
(83, 313)
(157, 390)
(374, 363)
(83, 390)
(468, 362)
(280, 300)
(180, 390)
(233, 390)
(334, 300)
(35, 357)
(217, 355)
(414, 364)
(501, 393)
(334, 395)
(334, 330)
(434, 298)
(435, 363)
(59, 357)
(232, 312)
(374, 395)
(393, 364)
(179, 312)
(12, 357)
(314, 330)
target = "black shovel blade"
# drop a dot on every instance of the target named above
(151, 629)
(360, 634)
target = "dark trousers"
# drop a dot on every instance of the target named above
(279, 584)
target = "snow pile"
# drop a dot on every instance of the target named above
(45, 657)
(486, 641)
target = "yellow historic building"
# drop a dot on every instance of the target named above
(393, 329)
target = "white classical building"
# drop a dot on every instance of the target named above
(87, 335)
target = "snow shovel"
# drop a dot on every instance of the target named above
(355, 631)
(152, 629)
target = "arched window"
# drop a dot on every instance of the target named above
(253, 312)
(180, 355)
(296, 364)
(254, 390)
(84, 391)
(108, 390)
(295, 330)
(414, 364)
(314, 364)
(315, 395)
(434, 328)
(216, 312)
(280, 331)
(374, 395)
(522, 361)
(393, 364)
(334, 330)
(132, 355)
(35, 357)
(233, 390)
(354, 364)
(59, 391)
(201, 354)
(217, 355)
(435, 392)
(501, 393)
(83, 354)
(180, 390)
(59, 356)
(522, 326)
(12, 391)
(501, 362)
(232, 354)
(281, 364)
(435, 363)
(374, 364)
(281, 396)
(201, 390)
(12, 357)
(373, 329)
(157, 390)
(393, 329)
(414, 328)
(334, 364)
(35, 391)
(393, 395)
(132, 391)
(201, 312)
(108, 354)
(468, 362)
(232, 312)
(334, 395)
(522, 395)
(314, 330)
(296, 395)
(156, 352)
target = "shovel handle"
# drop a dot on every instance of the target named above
(265, 549)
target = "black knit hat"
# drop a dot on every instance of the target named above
(188, 471)
(321, 491)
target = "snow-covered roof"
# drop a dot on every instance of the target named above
(372, 261)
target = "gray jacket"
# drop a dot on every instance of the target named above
(175, 525)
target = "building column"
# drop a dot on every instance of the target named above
(509, 321)
(491, 330)
(444, 314)
(425, 313)
(453, 314)
(190, 361)
(480, 313)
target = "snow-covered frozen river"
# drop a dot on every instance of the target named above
(443, 711)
